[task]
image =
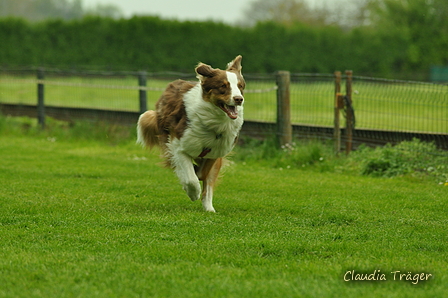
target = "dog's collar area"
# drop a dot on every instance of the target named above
(204, 152)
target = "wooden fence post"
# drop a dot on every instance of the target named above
(349, 117)
(284, 128)
(40, 97)
(337, 106)
(142, 92)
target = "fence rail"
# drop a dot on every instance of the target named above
(105, 86)
(384, 110)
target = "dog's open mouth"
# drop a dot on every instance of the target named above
(231, 111)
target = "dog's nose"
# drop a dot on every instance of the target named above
(238, 100)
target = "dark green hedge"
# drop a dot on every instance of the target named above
(153, 44)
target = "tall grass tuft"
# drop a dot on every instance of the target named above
(415, 158)
(410, 158)
(82, 130)
(298, 154)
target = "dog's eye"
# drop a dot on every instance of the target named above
(223, 86)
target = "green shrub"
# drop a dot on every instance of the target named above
(155, 44)
(415, 158)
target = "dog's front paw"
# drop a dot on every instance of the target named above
(193, 190)
(209, 208)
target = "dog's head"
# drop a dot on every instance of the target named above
(223, 88)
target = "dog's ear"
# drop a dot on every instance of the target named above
(235, 65)
(204, 71)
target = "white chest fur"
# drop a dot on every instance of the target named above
(208, 128)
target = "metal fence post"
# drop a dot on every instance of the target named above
(284, 128)
(349, 111)
(40, 97)
(337, 117)
(142, 92)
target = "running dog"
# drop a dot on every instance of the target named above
(197, 125)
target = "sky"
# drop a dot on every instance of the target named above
(228, 11)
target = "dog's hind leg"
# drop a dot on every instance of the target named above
(208, 173)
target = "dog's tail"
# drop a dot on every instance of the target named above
(148, 129)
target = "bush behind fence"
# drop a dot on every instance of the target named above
(153, 43)
(385, 110)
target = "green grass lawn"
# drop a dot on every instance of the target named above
(378, 105)
(88, 218)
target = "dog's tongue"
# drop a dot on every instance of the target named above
(232, 112)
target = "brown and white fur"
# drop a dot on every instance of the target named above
(197, 125)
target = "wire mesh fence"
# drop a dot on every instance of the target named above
(380, 105)
(401, 105)
(312, 99)
(110, 91)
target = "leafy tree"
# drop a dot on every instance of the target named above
(105, 10)
(284, 12)
(37, 10)
(421, 24)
